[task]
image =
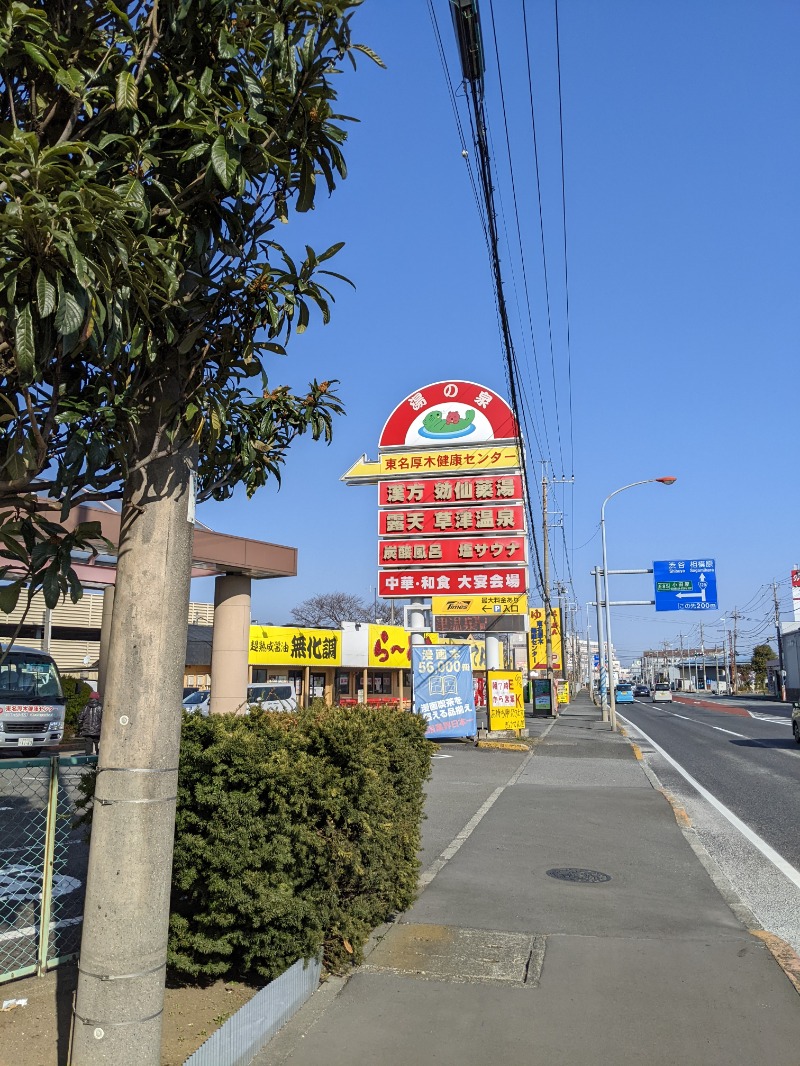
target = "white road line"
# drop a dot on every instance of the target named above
(768, 852)
(729, 731)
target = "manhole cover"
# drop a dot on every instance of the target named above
(581, 877)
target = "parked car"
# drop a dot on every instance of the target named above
(197, 702)
(641, 690)
(190, 691)
(796, 721)
(662, 693)
(272, 696)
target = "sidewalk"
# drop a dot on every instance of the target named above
(499, 963)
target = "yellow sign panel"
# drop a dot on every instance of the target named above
(477, 647)
(294, 646)
(506, 706)
(389, 646)
(538, 639)
(444, 605)
(562, 691)
(462, 461)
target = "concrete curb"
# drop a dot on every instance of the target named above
(783, 953)
(503, 745)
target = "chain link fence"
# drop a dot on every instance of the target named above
(43, 862)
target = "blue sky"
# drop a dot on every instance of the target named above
(683, 242)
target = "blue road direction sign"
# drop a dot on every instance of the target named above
(685, 585)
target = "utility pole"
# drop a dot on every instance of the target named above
(548, 621)
(603, 674)
(734, 679)
(780, 641)
(680, 637)
(560, 590)
(703, 653)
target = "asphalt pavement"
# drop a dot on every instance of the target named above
(565, 917)
(744, 757)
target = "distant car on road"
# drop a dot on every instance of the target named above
(641, 690)
(796, 722)
(662, 693)
(623, 693)
(198, 703)
(272, 697)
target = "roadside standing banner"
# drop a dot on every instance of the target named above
(442, 683)
(506, 706)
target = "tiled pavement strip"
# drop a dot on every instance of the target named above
(499, 962)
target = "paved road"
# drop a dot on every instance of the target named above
(746, 758)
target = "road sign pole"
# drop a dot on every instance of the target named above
(598, 606)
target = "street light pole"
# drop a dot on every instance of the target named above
(647, 481)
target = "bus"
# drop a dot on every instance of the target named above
(31, 700)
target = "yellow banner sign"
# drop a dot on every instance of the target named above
(463, 460)
(562, 691)
(477, 647)
(294, 646)
(538, 639)
(389, 646)
(506, 706)
(448, 605)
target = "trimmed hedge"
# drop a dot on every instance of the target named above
(295, 833)
(76, 693)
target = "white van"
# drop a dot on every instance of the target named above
(31, 701)
(198, 703)
(272, 696)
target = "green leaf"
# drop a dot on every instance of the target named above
(69, 316)
(193, 152)
(45, 295)
(368, 52)
(127, 92)
(26, 349)
(205, 80)
(9, 595)
(224, 165)
(37, 55)
(51, 587)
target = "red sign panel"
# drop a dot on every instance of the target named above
(433, 521)
(795, 579)
(449, 411)
(450, 490)
(452, 551)
(430, 582)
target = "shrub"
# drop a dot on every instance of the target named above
(77, 693)
(295, 833)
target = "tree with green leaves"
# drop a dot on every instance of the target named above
(149, 150)
(762, 654)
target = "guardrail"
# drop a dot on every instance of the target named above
(43, 862)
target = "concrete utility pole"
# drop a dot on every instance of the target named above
(734, 678)
(600, 642)
(703, 653)
(120, 997)
(782, 689)
(548, 620)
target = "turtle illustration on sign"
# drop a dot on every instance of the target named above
(453, 425)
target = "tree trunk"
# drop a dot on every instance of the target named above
(118, 1011)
